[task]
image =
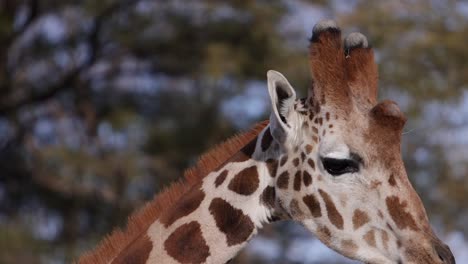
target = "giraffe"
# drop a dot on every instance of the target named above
(330, 161)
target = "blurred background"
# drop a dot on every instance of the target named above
(102, 103)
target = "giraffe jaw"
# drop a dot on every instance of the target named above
(368, 255)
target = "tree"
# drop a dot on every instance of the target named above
(103, 103)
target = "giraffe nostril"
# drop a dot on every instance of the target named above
(444, 253)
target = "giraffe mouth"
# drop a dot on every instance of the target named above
(438, 252)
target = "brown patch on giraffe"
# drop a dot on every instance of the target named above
(327, 116)
(315, 130)
(324, 132)
(311, 163)
(266, 140)
(139, 221)
(220, 179)
(303, 156)
(320, 121)
(185, 206)
(315, 139)
(335, 217)
(247, 151)
(297, 181)
(231, 221)
(313, 204)
(272, 166)
(398, 213)
(187, 245)
(283, 180)
(245, 182)
(330, 126)
(349, 247)
(385, 239)
(375, 183)
(317, 108)
(307, 178)
(136, 252)
(295, 208)
(296, 162)
(268, 197)
(324, 234)
(360, 218)
(416, 255)
(283, 160)
(309, 148)
(323, 101)
(369, 237)
(392, 180)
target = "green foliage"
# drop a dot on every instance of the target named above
(414, 49)
(13, 239)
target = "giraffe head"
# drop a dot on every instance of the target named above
(340, 171)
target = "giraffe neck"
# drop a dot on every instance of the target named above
(217, 217)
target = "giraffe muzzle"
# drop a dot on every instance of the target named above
(444, 253)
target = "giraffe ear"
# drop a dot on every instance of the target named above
(282, 97)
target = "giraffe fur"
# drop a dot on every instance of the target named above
(330, 161)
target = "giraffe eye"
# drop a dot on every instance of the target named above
(337, 167)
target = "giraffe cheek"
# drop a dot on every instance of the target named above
(334, 215)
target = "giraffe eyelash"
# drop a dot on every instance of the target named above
(337, 167)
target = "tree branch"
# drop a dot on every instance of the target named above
(9, 105)
(9, 39)
(33, 14)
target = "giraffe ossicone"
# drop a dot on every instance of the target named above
(330, 161)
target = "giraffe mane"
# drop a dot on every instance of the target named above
(139, 221)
